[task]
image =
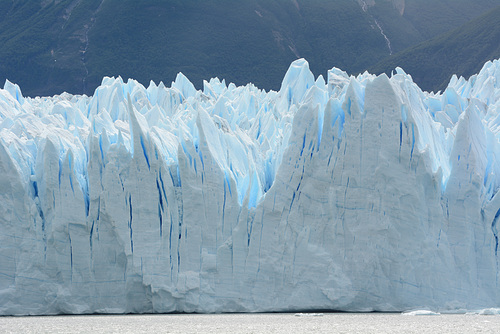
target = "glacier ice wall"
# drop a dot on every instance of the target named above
(352, 193)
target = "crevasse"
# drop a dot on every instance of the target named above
(351, 193)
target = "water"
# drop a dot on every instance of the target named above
(254, 323)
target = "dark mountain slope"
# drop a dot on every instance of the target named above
(52, 46)
(253, 41)
(462, 51)
(41, 44)
(434, 17)
(409, 22)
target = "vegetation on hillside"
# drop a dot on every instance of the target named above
(49, 47)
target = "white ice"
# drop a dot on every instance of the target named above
(339, 193)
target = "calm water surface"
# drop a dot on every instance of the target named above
(254, 323)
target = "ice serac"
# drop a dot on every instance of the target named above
(351, 193)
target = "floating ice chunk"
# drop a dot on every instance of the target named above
(420, 312)
(309, 314)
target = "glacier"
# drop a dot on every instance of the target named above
(352, 193)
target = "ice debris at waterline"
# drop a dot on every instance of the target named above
(355, 193)
(420, 312)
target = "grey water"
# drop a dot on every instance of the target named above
(254, 323)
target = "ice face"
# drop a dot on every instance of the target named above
(351, 193)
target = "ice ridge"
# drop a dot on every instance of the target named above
(353, 193)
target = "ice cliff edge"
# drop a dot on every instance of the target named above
(351, 193)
